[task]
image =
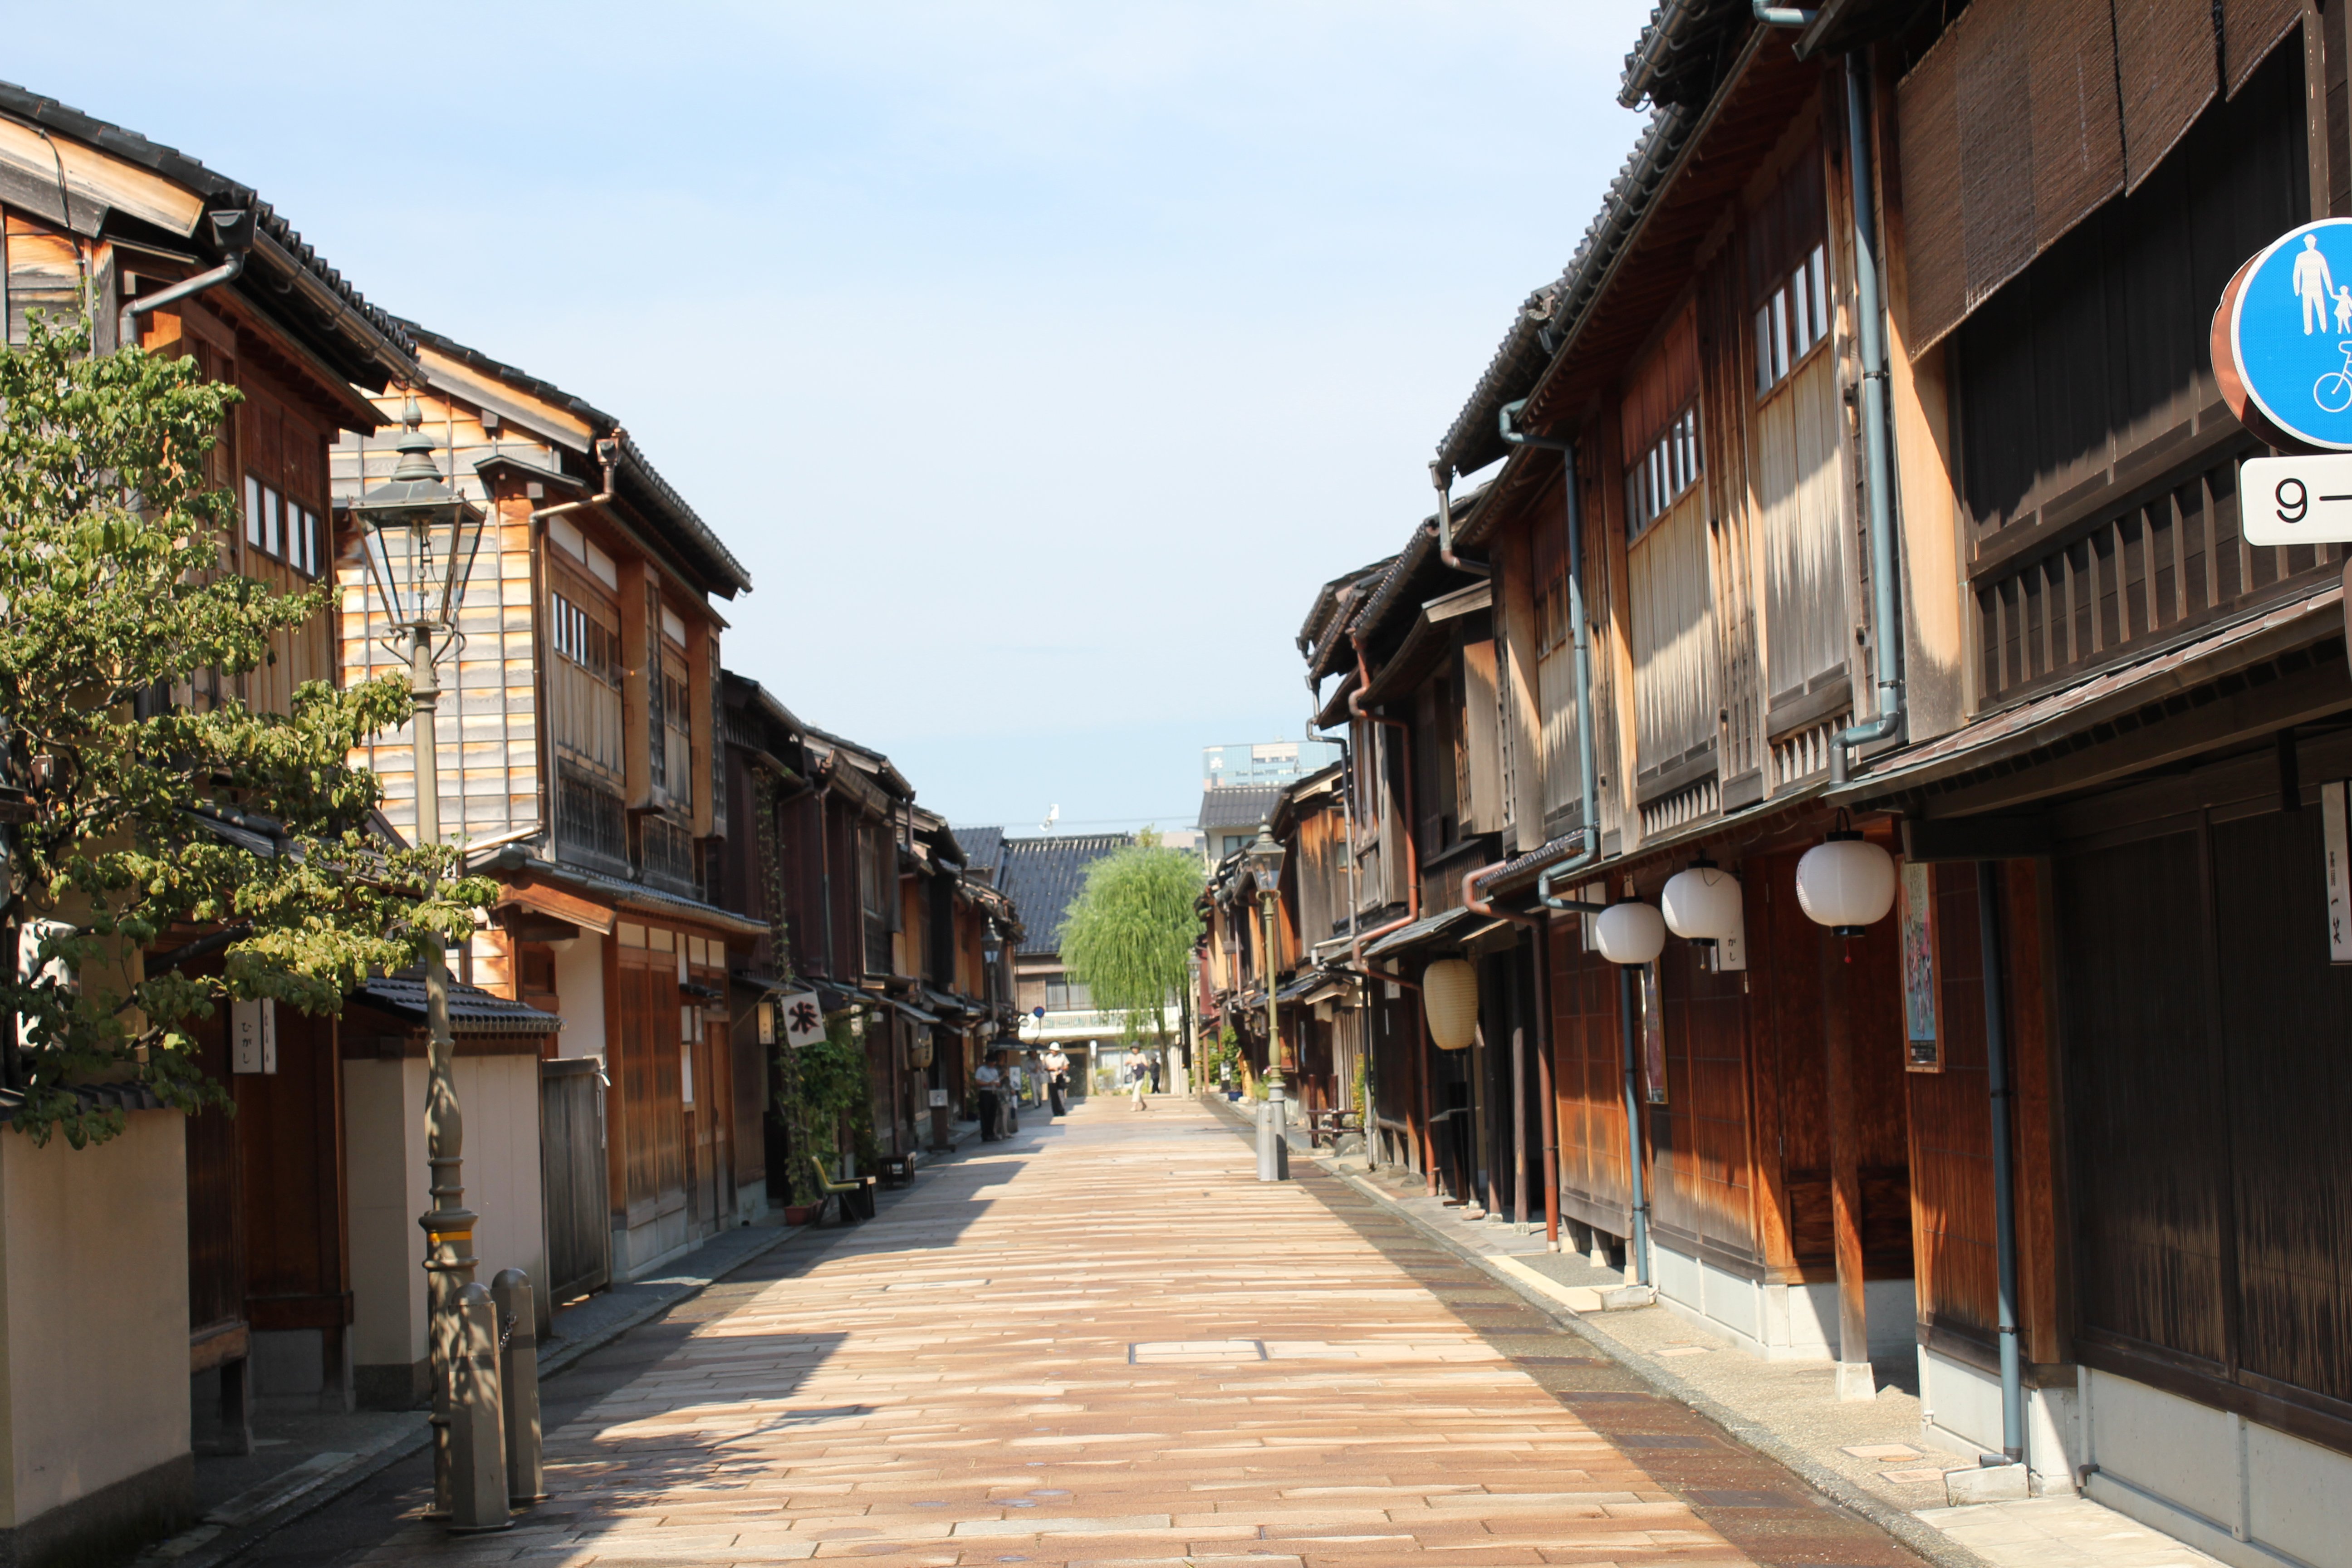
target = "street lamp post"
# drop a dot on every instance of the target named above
(422, 535)
(1273, 1148)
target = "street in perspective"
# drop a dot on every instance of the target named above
(1562, 782)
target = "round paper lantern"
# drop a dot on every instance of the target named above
(1702, 903)
(1846, 883)
(1449, 997)
(918, 1050)
(1629, 933)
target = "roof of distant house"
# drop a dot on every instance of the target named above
(1237, 806)
(986, 846)
(1042, 876)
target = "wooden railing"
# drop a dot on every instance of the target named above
(2126, 570)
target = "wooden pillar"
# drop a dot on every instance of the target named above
(1853, 1375)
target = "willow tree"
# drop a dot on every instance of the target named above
(147, 810)
(1129, 934)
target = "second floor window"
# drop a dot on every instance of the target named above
(1663, 473)
(1792, 321)
(280, 527)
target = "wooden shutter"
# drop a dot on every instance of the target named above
(2078, 134)
(2009, 136)
(2250, 29)
(2168, 70)
(1926, 112)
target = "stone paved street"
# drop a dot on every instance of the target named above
(1105, 1342)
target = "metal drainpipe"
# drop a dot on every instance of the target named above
(2004, 1179)
(1640, 1241)
(1587, 764)
(1549, 1111)
(233, 231)
(1784, 15)
(1442, 477)
(1586, 761)
(1411, 851)
(1878, 474)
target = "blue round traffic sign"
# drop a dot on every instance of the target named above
(2291, 333)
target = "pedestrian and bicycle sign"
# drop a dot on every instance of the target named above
(2290, 335)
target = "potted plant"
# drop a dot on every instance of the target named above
(818, 1085)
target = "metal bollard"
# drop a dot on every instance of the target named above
(1273, 1148)
(519, 1384)
(477, 1448)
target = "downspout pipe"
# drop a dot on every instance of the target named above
(1586, 763)
(1784, 15)
(1442, 477)
(2004, 1175)
(1549, 1111)
(1411, 851)
(233, 232)
(1878, 466)
(1636, 1196)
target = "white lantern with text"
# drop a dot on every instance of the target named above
(1629, 933)
(1846, 883)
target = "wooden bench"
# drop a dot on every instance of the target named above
(856, 1194)
(897, 1170)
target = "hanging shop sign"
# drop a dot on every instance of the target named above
(803, 1018)
(2333, 842)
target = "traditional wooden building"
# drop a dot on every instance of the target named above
(1866, 473)
(191, 1268)
(581, 760)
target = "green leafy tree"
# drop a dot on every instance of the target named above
(142, 816)
(1129, 934)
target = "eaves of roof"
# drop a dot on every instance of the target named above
(472, 1010)
(675, 523)
(1547, 320)
(345, 311)
(866, 759)
(761, 698)
(1333, 598)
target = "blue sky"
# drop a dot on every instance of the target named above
(1039, 360)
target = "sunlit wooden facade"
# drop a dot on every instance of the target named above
(2116, 719)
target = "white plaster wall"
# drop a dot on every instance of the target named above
(1779, 1322)
(384, 1149)
(93, 1311)
(1960, 1411)
(499, 1096)
(580, 982)
(2245, 1493)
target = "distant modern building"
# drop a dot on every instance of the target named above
(1263, 762)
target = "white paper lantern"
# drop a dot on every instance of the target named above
(1702, 903)
(1449, 998)
(1630, 933)
(1846, 883)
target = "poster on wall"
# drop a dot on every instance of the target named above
(1923, 1045)
(1653, 1035)
(2332, 829)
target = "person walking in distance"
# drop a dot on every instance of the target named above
(1058, 1081)
(1138, 1082)
(2313, 284)
(991, 1079)
(1155, 1077)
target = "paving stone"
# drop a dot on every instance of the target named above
(1057, 1355)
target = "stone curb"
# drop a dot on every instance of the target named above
(1924, 1538)
(212, 1546)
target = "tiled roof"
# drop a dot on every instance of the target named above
(1042, 876)
(1237, 806)
(472, 1010)
(392, 347)
(985, 847)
